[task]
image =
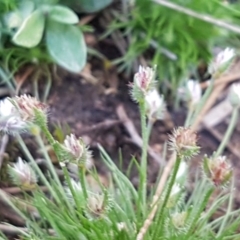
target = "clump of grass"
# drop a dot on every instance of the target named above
(169, 37)
(74, 210)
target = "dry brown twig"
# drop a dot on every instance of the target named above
(12, 230)
(219, 85)
(17, 190)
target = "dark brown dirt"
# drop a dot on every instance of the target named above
(91, 113)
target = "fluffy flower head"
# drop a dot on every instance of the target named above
(98, 204)
(16, 114)
(144, 81)
(27, 107)
(144, 78)
(23, 175)
(74, 146)
(10, 119)
(75, 151)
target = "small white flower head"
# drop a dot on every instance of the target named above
(23, 175)
(76, 151)
(98, 204)
(234, 95)
(184, 142)
(18, 113)
(190, 92)
(218, 170)
(221, 62)
(155, 105)
(194, 91)
(10, 119)
(144, 81)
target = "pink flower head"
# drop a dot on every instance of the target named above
(144, 78)
(218, 170)
(74, 146)
(77, 152)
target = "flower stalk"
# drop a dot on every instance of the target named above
(159, 219)
(200, 209)
(82, 179)
(146, 129)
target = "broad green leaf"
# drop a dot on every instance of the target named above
(26, 7)
(66, 45)
(88, 6)
(30, 32)
(63, 15)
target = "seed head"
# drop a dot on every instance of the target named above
(218, 170)
(23, 175)
(184, 142)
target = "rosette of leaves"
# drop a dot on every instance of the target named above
(34, 22)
